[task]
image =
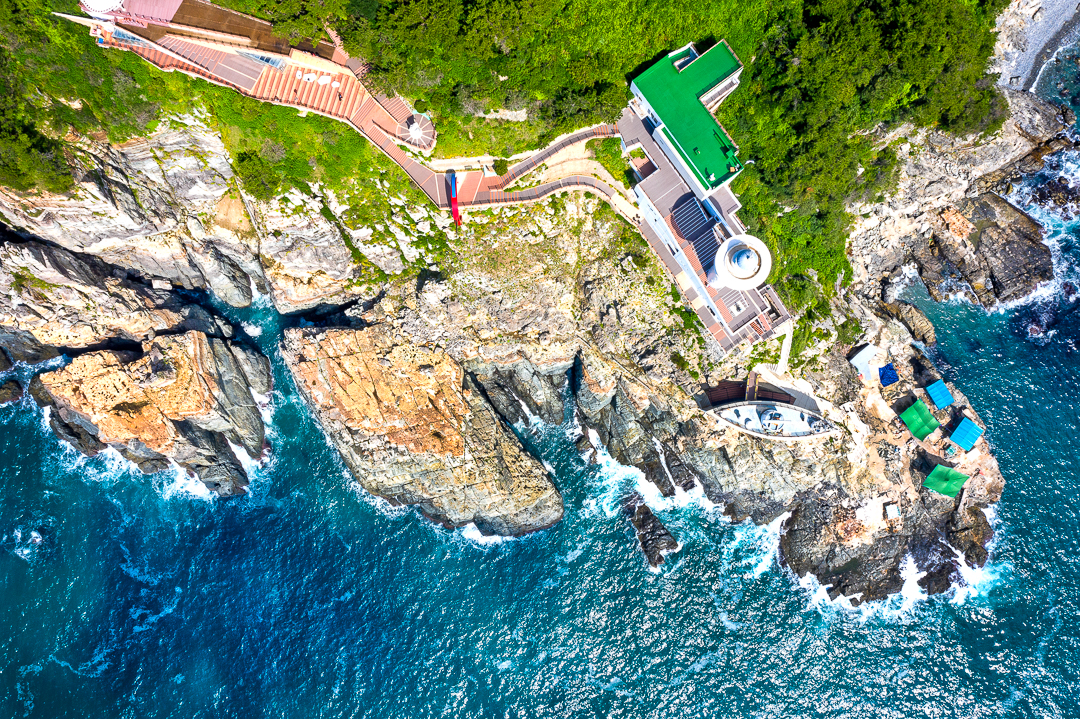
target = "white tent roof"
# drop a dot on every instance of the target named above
(866, 362)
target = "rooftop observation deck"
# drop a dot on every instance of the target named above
(680, 89)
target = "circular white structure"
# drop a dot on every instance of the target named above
(743, 262)
(100, 7)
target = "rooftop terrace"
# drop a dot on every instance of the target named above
(677, 89)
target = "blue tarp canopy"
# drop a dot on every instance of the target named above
(887, 375)
(940, 394)
(966, 434)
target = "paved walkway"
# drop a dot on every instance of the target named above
(379, 119)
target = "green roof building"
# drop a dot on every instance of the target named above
(678, 95)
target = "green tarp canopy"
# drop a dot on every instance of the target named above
(919, 421)
(945, 480)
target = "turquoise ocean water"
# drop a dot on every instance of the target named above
(123, 595)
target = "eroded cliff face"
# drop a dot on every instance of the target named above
(164, 207)
(418, 380)
(168, 207)
(414, 427)
(182, 401)
(57, 299)
(948, 214)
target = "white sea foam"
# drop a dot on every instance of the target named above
(729, 624)
(380, 504)
(148, 620)
(897, 607)
(250, 329)
(180, 485)
(471, 533)
(975, 581)
(265, 405)
(612, 479)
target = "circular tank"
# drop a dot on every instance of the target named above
(742, 263)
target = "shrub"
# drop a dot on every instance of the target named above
(260, 179)
(501, 166)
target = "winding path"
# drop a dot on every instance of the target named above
(344, 98)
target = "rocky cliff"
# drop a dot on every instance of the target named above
(182, 401)
(427, 344)
(948, 214)
(59, 300)
(414, 427)
(163, 207)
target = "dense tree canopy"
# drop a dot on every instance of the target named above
(819, 74)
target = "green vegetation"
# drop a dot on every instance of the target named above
(681, 362)
(23, 280)
(818, 75)
(501, 166)
(258, 176)
(28, 158)
(468, 136)
(300, 20)
(849, 332)
(608, 152)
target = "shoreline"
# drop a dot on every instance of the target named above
(1050, 48)
(1058, 19)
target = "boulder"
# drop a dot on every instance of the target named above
(994, 247)
(10, 391)
(653, 537)
(182, 400)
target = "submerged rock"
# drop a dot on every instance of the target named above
(653, 537)
(183, 400)
(10, 391)
(415, 428)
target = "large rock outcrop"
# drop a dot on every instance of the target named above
(183, 400)
(60, 299)
(996, 249)
(165, 206)
(942, 173)
(415, 428)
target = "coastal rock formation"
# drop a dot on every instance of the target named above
(182, 401)
(1058, 193)
(165, 207)
(912, 317)
(10, 391)
(546, 312)
(414, 427)
(58, 299)
(994, 247)
(305, 258)
(653, 537)
(943, 174)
